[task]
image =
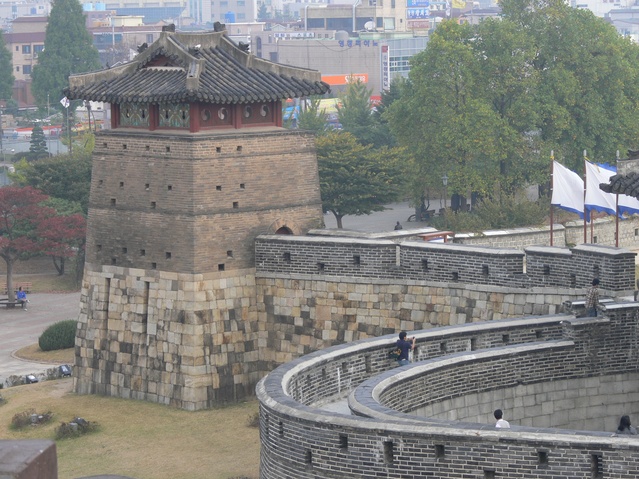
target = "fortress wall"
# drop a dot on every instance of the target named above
(576, 267)
(304, 313)
(517, 238)
(572, 233)
(343, 367)
(424, 261)
(354, 257)
(324, 444)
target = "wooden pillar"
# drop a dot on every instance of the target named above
(277, 114)
(115, 115)
(237, 116)
(194, 114)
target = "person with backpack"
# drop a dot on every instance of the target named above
(404, 346)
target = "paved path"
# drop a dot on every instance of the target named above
(20, 328)
(379, 221)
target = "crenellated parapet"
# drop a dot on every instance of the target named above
(537, 266)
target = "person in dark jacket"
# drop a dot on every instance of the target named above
(405, 346)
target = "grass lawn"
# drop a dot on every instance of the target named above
(136, 438)
(47, 283)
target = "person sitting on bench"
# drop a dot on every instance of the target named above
(21, 297)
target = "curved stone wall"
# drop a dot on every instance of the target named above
(302, 440)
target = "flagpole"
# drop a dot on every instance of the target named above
(617, 221)
(552, 171)
(585, 221)
(617, 210)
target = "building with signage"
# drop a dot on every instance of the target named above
(341, 59)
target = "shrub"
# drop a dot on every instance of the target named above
(60, 335)
(14, 380)
(76, 428)
(2, 401)
(509, 212)
(30, 418)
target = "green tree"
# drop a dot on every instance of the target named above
(68, 49)
(38, 148)
(448, 127)
(6, 71)
(355, 179)
(311, 118)
(63, 177)
(355, 112)
(486, 103)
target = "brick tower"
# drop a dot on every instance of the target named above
(195, 166)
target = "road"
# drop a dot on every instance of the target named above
(19, 328)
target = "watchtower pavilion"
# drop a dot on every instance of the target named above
(195, 166)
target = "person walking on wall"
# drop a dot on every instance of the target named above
(625, 427)
(592, 299)
(21, 297)
(404, 346)
(501, 422)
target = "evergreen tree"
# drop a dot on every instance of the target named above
(38, 148)
(262, 13)
(68, 49)
(357, 117)
(6, 71)
(311, 118)
(355, 112)
(356, 179)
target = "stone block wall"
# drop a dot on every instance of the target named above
(307, 313)
(517, 238)
(593, 403)
(603, 232)
(194, 340)
(191, 341)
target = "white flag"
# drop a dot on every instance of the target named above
(596, 198)
(602, 174)
(567, 190)
(65, 102)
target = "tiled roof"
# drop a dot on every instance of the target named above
(206, 67)
(623, 185)
(33, 37)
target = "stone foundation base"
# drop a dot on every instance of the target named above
(186, 340)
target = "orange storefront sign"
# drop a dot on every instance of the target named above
(335, 80)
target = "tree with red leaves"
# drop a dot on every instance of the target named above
(63, 237)
(28, 228)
